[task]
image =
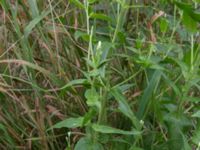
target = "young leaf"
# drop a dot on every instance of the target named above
(92, 98)
(110, 130)
(69, 123)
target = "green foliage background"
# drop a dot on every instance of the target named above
(100, 74)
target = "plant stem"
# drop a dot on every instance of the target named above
(102, 113)
(87, 16)
(192, 53)
(120, 19)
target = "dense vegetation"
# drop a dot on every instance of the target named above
(100, 74)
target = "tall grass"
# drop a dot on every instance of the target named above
(97, 74)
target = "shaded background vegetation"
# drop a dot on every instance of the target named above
(125, 64)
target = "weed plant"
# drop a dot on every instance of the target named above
(99, 74)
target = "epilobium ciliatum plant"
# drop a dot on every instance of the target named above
(99, 93)
(100, 75)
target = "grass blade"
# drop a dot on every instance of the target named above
(146, 97)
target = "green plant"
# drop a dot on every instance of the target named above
(97, 74)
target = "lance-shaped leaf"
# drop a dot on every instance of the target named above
(124, 107)
(111, 130)
(146, 97)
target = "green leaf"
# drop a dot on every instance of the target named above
(52, 76)
(135, 50)
(197, 1)
(28, 29)
(186, 145)
(88, 116)
(77, 3)
(110, 130)
(69, 123)
(92, 98)
(146, 97)
(6, 135)
(37, 19)
(100, 16)
(180, 121)
(172, 84)
(80, 34)
(125, 87)
(136, 148)
(195, 16)
(196, 114)
(4, 4)
(121, 37)
(196, 136)
(34, 8)
(192, 99)
(184, 67)
(105, 46)
(92, 1)
(184, 6)
(177, 139)
(74, 82)
(190, 17)
(189, 22)
(163, 25)
(94, 73)
(87, 144)
(124, 107)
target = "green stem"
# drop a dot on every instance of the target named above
(102, 118)
(120, 19)
(87, 15)
(192, 53)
